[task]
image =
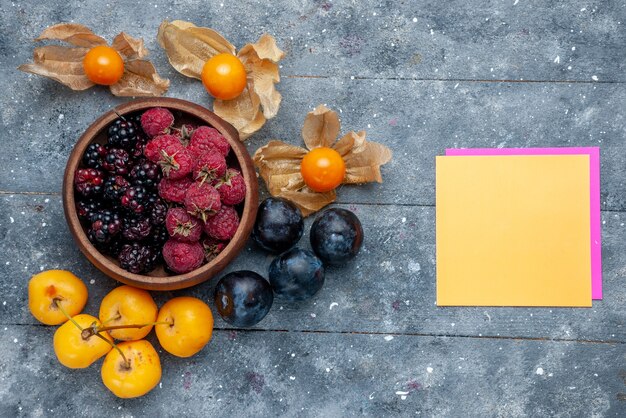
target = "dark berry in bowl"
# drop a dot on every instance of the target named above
(136, 228)
(93, 156)
(105, 225)
(88, 182)
(86, 208)
(243, 298)
(123, 133)
(138, 258)
(278, 226)
(336, 235)
(116, 161)
(158, 237)
(296, 275)
(135, 199)
(114, 189)
(145, 173)
(157, 211)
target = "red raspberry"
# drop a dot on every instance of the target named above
(210, 166)
(183, 257)
(176, 161)
(205, 138)
(153, 149)
(232, 187)
(174, 190)
(184, 132)
(212, 247)
(182, 226)
(223, 224)
(202, 200)
(156, 121)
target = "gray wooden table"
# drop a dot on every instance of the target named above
(419, 77)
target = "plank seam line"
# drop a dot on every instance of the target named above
(397, 334)
(418, 205)
(417, 334)
(452, 80)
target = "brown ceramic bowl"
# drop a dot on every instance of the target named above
(160, 279)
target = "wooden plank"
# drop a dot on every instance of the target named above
(309, 375)
(389, 288)
(418, 120)
(496, 40)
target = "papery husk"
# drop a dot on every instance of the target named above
(309, 201)
(243, 112)
(65, 64)
(279, 163)
(260, 60)
(363, 162)
(73, 34)
(188, 47)
(140, 79)
(61, 64)
(129, 48)
(321, 127)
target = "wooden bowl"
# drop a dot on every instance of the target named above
(159, 279)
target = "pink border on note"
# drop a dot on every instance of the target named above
(594, 178)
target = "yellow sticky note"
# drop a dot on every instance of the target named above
(513, 231)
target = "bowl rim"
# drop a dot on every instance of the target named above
(179, 281)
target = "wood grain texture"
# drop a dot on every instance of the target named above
(329, 375)
(389, 288)
(416, 119)
(419, 76)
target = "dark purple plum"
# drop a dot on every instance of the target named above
(296, 275)
(279, 225)
(336, 236)
(243, 298)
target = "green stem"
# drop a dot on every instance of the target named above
(57, 303)
(119, 350)
(115, 318)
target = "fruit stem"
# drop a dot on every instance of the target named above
(57, 303)
(111, 327)
(94, 329)
(115, 318)
(119, 350)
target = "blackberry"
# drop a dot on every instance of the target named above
(136, 119)
(146, 174)
(105, 224)
(114, 188)
(112, 248)
(138, 258)
(116, 161)
(135, 199)
(123, 134)
(136, 229)
(137, 152)
(86, 208)
(93, 156)
(88, 181)
(158, 211)
(158, 237)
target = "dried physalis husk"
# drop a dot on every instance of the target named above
(279, 163)
(188, 47)
(65, 64)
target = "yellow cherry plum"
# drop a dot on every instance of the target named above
(135, 373)
(54, 291)
(185, 326)
(127, 305)
(76, 350)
